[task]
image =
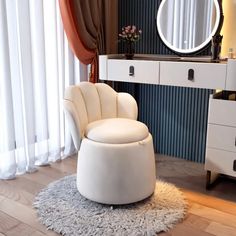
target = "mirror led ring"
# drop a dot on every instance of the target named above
(195, 49)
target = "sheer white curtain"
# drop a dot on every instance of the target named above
(35, 67)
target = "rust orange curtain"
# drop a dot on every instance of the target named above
(91, 29)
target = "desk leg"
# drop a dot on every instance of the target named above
(211, 179)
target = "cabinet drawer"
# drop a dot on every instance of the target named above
(222, 112)
(220, 161)
(136, 71)
(221, 137)
(205, 75)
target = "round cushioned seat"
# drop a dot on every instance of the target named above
(116, 131)
(116, 162)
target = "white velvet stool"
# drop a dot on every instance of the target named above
(116, 163)
(116, 166)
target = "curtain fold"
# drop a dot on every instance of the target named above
(91, 28)
(36, 65)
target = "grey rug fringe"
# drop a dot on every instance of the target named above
(62, 209)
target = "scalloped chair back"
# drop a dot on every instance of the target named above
(88, 102)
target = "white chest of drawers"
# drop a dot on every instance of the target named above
(221, 138)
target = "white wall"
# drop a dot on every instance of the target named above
(229, 29)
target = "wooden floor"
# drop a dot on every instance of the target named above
(210, 212)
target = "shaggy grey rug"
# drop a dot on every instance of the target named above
(62, 209)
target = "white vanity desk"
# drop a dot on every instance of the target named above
(195, 72)
(169, 70)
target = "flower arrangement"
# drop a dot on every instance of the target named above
(130, 33)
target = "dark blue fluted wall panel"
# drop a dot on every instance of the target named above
(176, 117)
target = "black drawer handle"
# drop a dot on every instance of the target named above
(234, 165)
(131, 71)
(191, 74)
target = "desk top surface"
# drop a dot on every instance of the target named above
(172, 58)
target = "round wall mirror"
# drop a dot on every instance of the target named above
(187, 26)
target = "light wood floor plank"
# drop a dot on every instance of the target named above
(183, 230)
(65, 167)
(39, 178)
(51, 171)
(21, 212)
(7, 222)
(9, 190)
(220, 229)
(25, 184)
(213, 202)
(37, 233)
(213, 214)
(20, 230)
(196, 222)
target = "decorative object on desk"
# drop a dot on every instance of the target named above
(231, 53)
(216, 47)
(63, 209)
(130, 35)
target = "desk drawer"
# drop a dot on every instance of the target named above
(222, 112)
(136, 71)
(203, 75)
(220, 161)
(221, 137)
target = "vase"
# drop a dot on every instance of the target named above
(129, 50)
